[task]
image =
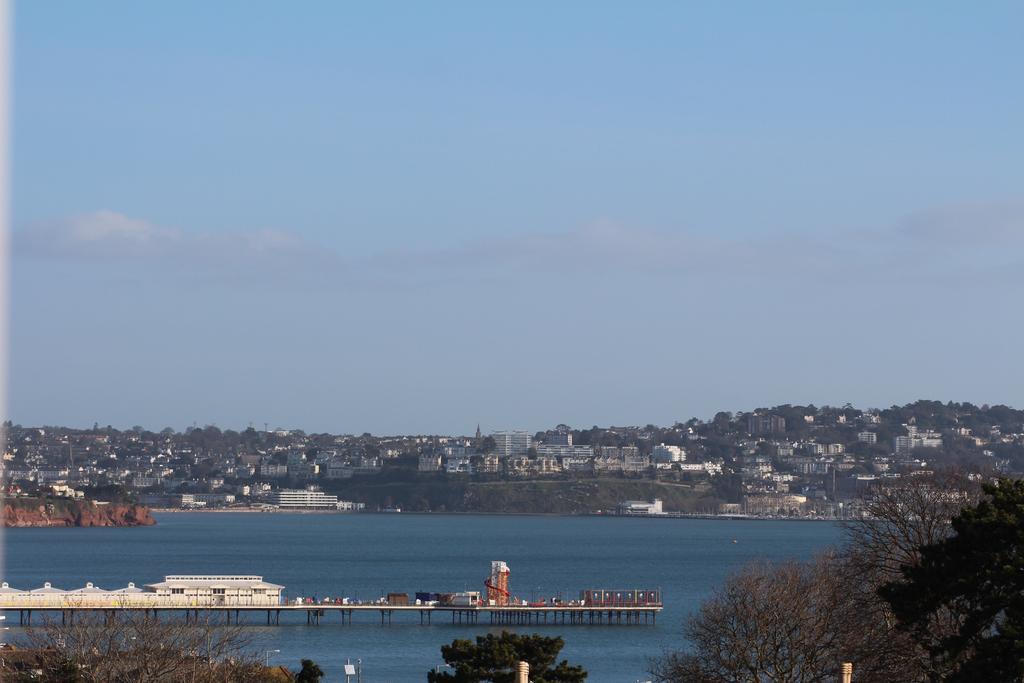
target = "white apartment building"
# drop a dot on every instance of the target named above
(555, 450)
(206, 499)
(303, 499)
(667, 454)
(916, 439)
(510, 444)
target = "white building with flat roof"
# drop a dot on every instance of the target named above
(867, 437)
(302, 499)
(227, 589)
(663, 454)
(642, 507)
(554, 450)
(511, 444)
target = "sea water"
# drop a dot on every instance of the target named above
(364, 556)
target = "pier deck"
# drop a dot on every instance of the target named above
(585, 615)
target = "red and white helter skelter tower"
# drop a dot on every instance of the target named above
(497, 584)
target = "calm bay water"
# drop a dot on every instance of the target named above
(364, 555)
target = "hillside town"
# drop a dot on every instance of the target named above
(781, 461)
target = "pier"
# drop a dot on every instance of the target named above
(238, 599)
(565, 615)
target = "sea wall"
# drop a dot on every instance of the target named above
(36, 512)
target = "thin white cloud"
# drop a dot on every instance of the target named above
(99, 234)
(111, 236)
(966, 240)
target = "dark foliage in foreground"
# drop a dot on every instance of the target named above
(134, 649)
(948, 567)
(494, 658)
(970, 587)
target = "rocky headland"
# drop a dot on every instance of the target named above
(48, 512)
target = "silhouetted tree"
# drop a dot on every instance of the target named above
(494, 658)
(309, 673)
(792, 622)
(970, 588)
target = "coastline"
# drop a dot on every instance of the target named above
(717, 518)
(72, 513)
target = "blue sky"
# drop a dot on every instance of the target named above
(414, 217)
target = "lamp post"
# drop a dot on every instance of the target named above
(267, 654)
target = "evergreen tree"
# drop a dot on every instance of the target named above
(310, 672)
(494, 658)
(971, 587)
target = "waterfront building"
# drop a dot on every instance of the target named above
(775, 504)
(207, 499)
(641, 507)
(302, 499)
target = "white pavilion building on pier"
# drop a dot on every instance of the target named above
(217, 590)
(174, 591)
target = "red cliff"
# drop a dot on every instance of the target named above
(35, 512)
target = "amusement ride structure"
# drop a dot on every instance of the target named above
(497, 584)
